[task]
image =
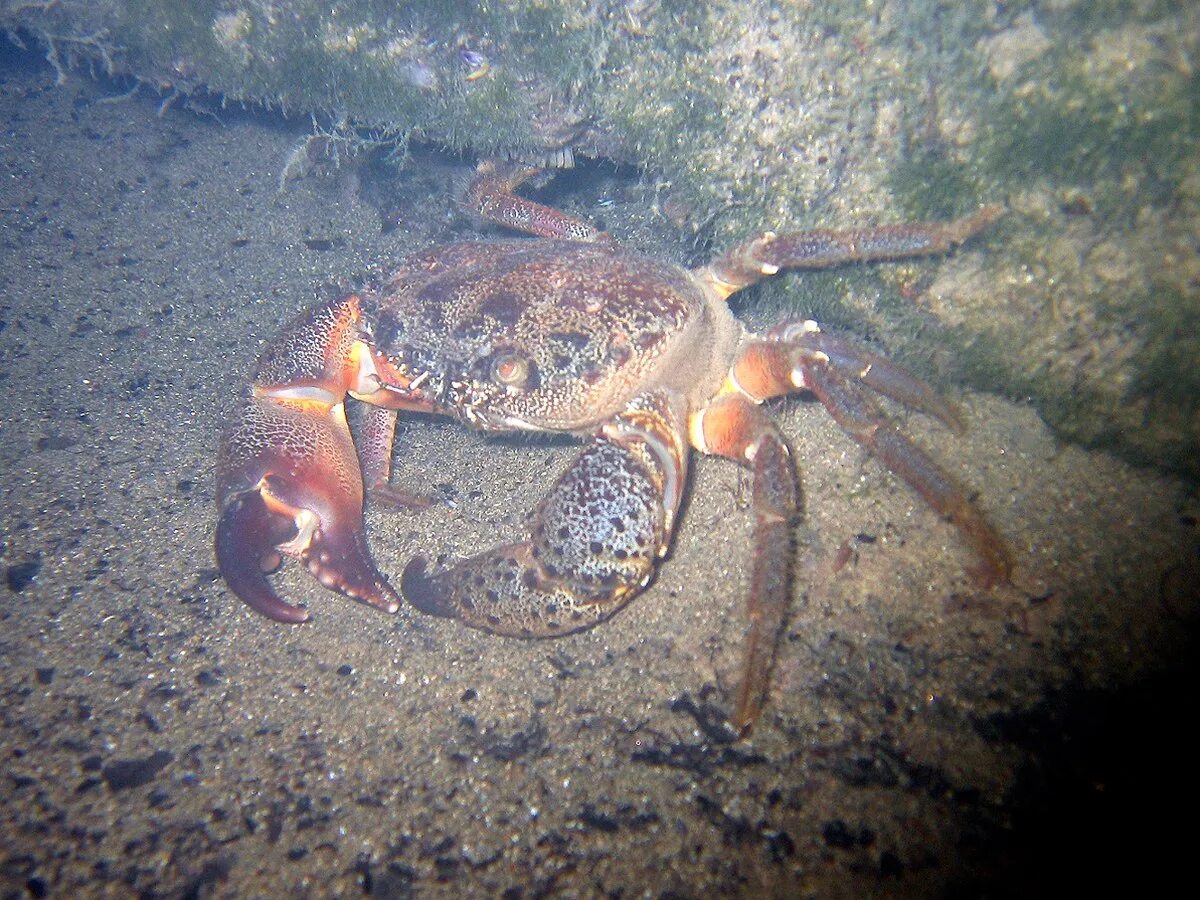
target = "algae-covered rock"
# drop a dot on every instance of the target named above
(1081, 116)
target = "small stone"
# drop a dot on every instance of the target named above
(130, 773)
(1012, 48)
(21, 575)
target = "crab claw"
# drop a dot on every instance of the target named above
(593, 542)
(246, 551)
(289, 481)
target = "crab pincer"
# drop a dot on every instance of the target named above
(289, 481)
(593, 543)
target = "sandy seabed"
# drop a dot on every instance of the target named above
(924, 736)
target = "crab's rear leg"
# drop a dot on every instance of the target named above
(797, 356)
(491, 195)
(734, 427)
(593, 542)
(770, 253)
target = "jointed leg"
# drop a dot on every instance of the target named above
(862, 419)
(819, 249)
(376, 436)
(490, 196)
(734, 427)
(798, 356)
(878, 373)
(377, 433)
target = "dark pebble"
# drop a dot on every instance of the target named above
(890, 865)
(323, 244)
(837, 834)
(21, 575)
(54, 442)
(781, 846)
(158, 798)
(45, 675)
(395, 881)
(130, 773)
(593, 818)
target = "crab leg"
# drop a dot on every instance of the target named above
(798, 356)
(376, 436)
(768, 253)
(763, 370)
(288, 479)
(593, 542)
(861, 418)
(733, 426)
(491, 196)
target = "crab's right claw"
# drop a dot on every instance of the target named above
(289, 482)
(246, 552)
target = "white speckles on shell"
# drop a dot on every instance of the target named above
(311, 345)
(269, 437)
(594, 541)
(602, 525)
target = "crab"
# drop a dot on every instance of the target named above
(566, 333)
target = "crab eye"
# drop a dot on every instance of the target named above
(511, 370)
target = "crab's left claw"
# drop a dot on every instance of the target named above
(288, 478)
(593, 542)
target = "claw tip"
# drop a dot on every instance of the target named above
(418, 589)
(242, 543)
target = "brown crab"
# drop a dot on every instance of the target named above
(569, 334)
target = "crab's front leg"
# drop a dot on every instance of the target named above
(288, 478)
(593, 542)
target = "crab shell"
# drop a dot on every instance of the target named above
(550, 335)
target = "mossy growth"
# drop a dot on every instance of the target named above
(1094, 136)
(454, 72)
(1167, 375)
(1068, 131)
(927, 182)
(1092, 16)
(1104, 123)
